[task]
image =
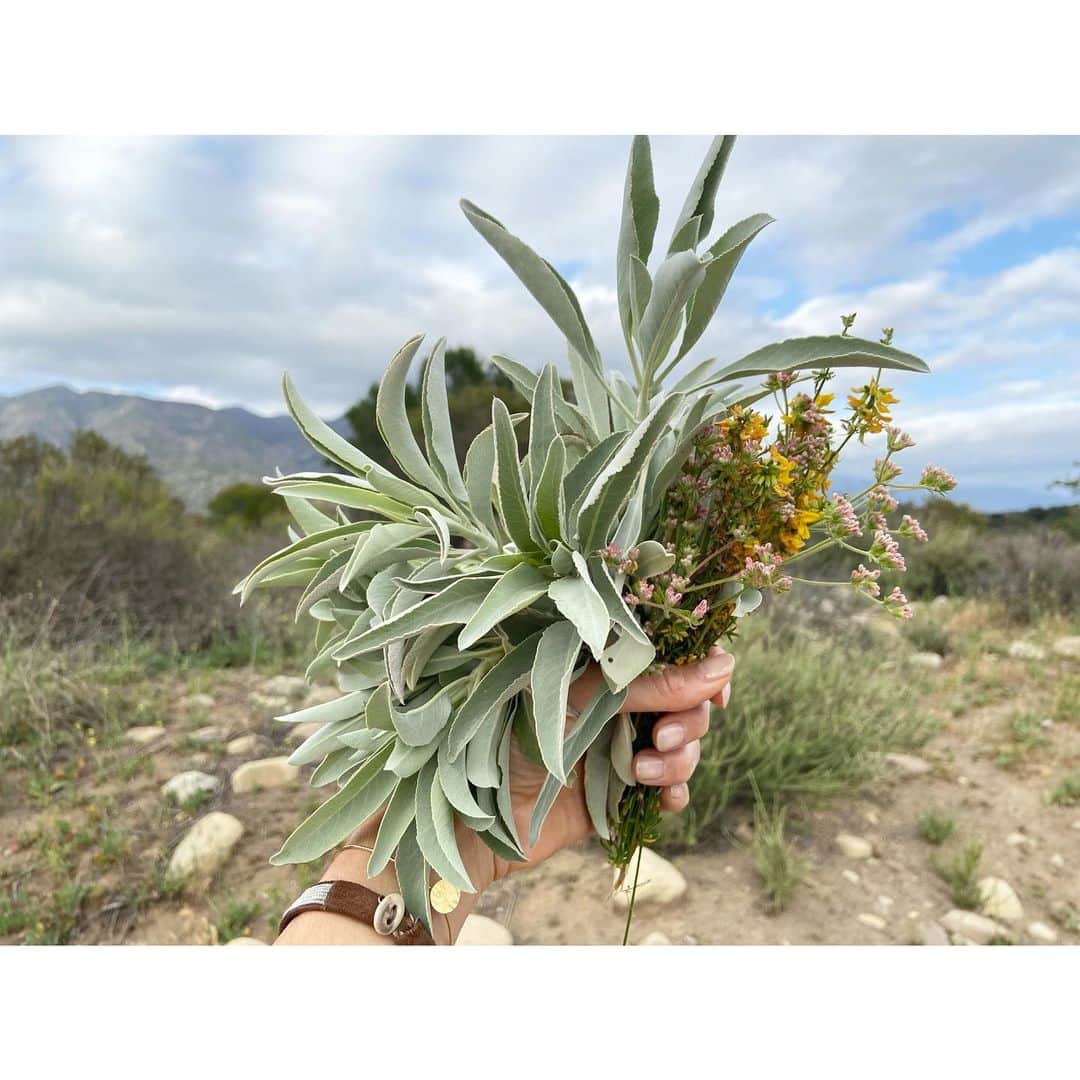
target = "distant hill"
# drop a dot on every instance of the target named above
(196, 450)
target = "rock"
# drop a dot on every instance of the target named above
(181, 926)
(933, 933)
(242, 744)
(658, 881)
(144, 736)
(929, 660)
(655, 938)
(320, 695)
(1026, 650)
(744, 833)
(272, 705)
(854, 847)
(187, 785)
(480, 930)
(909, 765)
(299, 732)
(205, 847)
(286, 686)
(1057, 861)
(1041, 932)
(201, 702)
(850, 875)
(1075, 825)
(885, 903)
(972, 927)
(245, 940)
(272, 772)
(1067, 647)
(1017, 839)
(212, 733)
(875, 922)
(1000, 900)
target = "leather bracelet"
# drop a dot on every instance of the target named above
(385, 914)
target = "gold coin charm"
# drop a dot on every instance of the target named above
(444, 897)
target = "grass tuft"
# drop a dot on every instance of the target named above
(935, 828)
(1066, 792)
(961, 875)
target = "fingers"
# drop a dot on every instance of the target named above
(677, 729)
(681, 687)
(675, 798)
(663, 770)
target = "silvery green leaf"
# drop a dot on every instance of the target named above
(482, 752)
(497, 830)
(321, 742)
(500, 847)
(513, 509)
(562, 560)
(323, 611)
(626, 658)
(333, 766)
(726, 252)
(413, 880)
(310, 519)
(542, 426)
(610, 490)
(503, 800)
(383, 589)
(384, 546)
(425, 716)
(549, 792)
(811, 353)
(581, 477)
(440, 526)
(378, 714)
(640, 289)
(677, 279)
(749, 600)
(353, 495)
(299, 573)
(455, 785)
(629, 528)
(407, 760)
(590, 392)
(400, 814)
(641, 211)
(525, 730)
(342, 708)
(324, 583)
(622, 749)
(420, 650)
(515, 590)
(480, 478)
(653, 558)
(622, 391)
(448, 658)
(620, 614)
(525, 382)
(589, 726)
(392, 419)
(686, 239)
(696, 377)
(455, 604)
(548, 501)
(344, 811)
(556, 658)
(580, 603)
(597, 776)
(615, 793)
(674, 458)
(435, 829)
(538, 276)
(364, 740)
(438, 428)
(702, 196)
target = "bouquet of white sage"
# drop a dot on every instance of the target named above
(456, 603)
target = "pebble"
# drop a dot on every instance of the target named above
(658, 881)
(1068, 647)
(934, 933)
(854, 847)
(480, 930)
(1041, 932)
(242, 744)
(931, 661)
(212, 733)
(286, 686)
(273, 772)
(885, 903)
(872, 817)
(187, 785)
(197, 701)
(655, 938)
(245, 939)
(143, 736)
(1017, 839)
(1000, 900)
(321, 695)
(1057, 861)
(1075, 825)
(970, 926)
(744, 833)
(875, 922)
(1026, 650)
(205, 847)
(299, 732)
(275, 705)
(965, 781)
(909, 765)
(851, 876)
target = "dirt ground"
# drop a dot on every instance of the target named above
(109, 827)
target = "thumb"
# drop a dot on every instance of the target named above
(680, 687)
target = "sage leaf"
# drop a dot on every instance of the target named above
(400, 814)
(701, 199)
(515, 590)
(438, 429)
(640, 213)
(455, 786)
(513, 508)
(435, 830)
(556, 658)
(413, 877)
(579, 602)
(675, 283)
(811, 353)
(597, 776)
(622, 749)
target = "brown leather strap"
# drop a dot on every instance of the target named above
(360, 903)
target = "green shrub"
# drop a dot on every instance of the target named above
(778, 867)
(961, 875)
(1066, 792)
(936, 828)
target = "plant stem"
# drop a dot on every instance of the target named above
(633, 896)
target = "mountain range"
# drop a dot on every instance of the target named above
(196, 450)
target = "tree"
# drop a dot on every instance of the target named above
(245, 505)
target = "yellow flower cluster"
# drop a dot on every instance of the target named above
(870, 407)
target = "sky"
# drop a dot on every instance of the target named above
(199, 269)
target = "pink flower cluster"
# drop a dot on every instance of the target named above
(886, 470)
(896, 603)
(880, 497)
(910, 527)
(761, 571)
(866, 580)
(614, 557)
(841, 517)
(885, 551)
(937, 480)
(898, 440)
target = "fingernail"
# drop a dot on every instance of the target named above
(725, 696)
(648, 767)
(679, 793)
(670, 736)
(717, 667)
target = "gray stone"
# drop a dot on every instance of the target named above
(929, 660)
(1018, 839)
(850, 875)
(321, 695)
(197, 701)
(875, 922)
(480, 930)
(205, 847)
(245, 940)
(658, 881)
(187, 785)
(909, 765)
(212, 733)
(273, 705)
(854, 847)
(655, 938)
(1067, 647)
(1026, 650)
(242, 744)
(286, 686)
(1057, 861)
(973, 927)
(299, 732)
(272, 772)
(1000, 900)
(1041, 932)
(144, 736)
(933, 933)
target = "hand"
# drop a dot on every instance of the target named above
(681, 694)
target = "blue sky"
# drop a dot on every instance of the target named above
(199, 269)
